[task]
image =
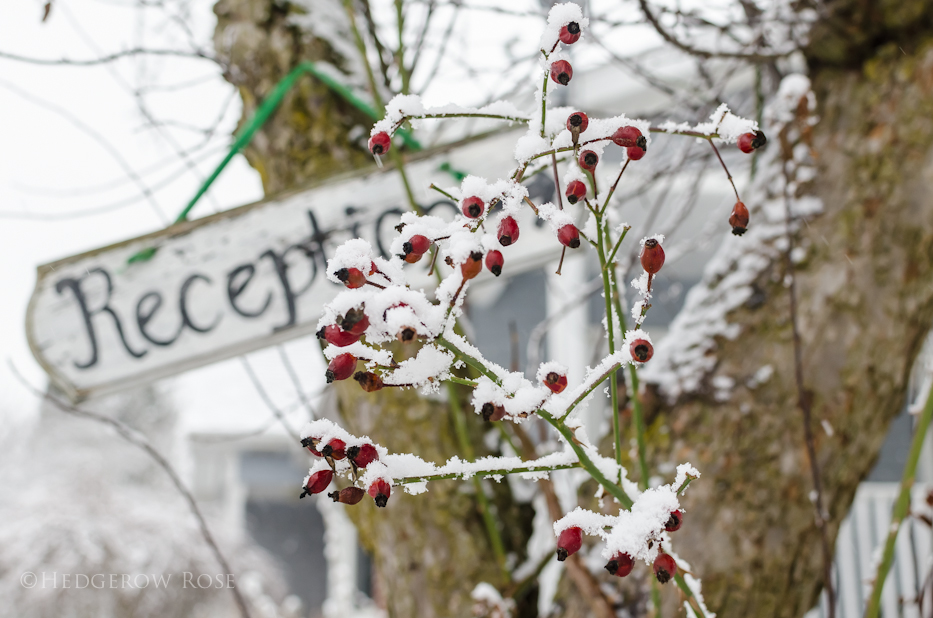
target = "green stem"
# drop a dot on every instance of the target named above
(614, 185)
(586, 393)
(463, 381)
(484, 473)
(901, 507)
(495, 539)
(682, 584)
(618, 244)
(444, 193)
(544, 97)
(402, 69)
(469, 360)
(586, 462)
(361, 47)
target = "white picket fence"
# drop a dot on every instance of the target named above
(858, 547)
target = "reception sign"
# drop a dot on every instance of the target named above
(240, 280)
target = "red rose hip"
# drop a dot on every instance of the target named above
(351, 277)
(739, 219)
(620, 565)
(675, 521)
(494, 262)
(628, 136)
(491, 412)
(472, 266)
(380, 143)
(473, 207)
(569, 542)
(380, 491)
(317, 482)
(362, 455)
(569, 236)
(750, 142)
(335, 335)
(355, 321)
(652, 256)
(634, 153)
(340, 368)
(555, 381)
(569, 33)
(664, 568)
(561, 72)
(368, 381)
(508, 231)
(417, 244)
(589, 160)
(641, 350)
(347, 495)
(335, 449)
(575, 192)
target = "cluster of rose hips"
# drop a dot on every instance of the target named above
(621, 564)
(359, 457)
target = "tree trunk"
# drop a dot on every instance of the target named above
(865, 304)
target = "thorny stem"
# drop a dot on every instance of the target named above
(728, 175)
(901, 507)
(804, 401)
(139, 440)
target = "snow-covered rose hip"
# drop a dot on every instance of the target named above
(309, 443)
(575, 192)
(739, 219)
(380, 143)
(561, 72)
(589, 160)
(355, 321)
(641, 350)
(569, 542)
(368, 381)
(351, 277)
(675, 521)
(620, 565)
(380, 491)
(335, 335)
(508, 231)
(652, 256)
(340, 368)
(628, 136)
(347, 495)
(569, 236)
(407, 334)
(664, 568)
(317, 482)
(569, 33)
(750, 142)
(557, 382)
(362, 455)
(494, 262)
(473, 207)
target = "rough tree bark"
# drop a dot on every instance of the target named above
(865, 304)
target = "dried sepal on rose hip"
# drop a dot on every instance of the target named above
(750, 142)
(380, 491)
(472, 266)
(347, 495)
(355, 321)
(570, 33)
(491, 412)
(317, 482)
(739, 219)
(380, 143)
(575, 191)
(351, 277)
(675, 521)
(577, 121)
(629, 136)
(561, 72)
(620, 565)
(362, 455)
(473, 207)
(555, 381)
(368, 381)
(335, 335)
(569, 542)
(495, 262)
(407, 334)
(508, 231)
(569, 236)
(341, 367)
(641, 350)
(311, 444)
(664, 568)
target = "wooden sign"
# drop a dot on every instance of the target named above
(240, 280)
